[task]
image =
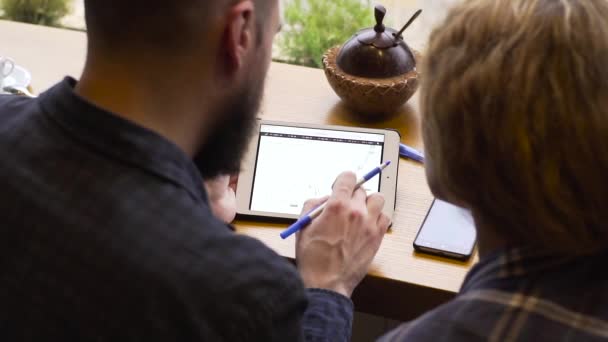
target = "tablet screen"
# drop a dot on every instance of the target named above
(295, 164)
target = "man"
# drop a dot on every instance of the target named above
(107, 231)
(515, 108)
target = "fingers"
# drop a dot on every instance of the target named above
(220, 181)
(384, 222)
(216, 187)
(344, 187)
(359, 200)
(234, 180)
(310, 205)
(375, 204)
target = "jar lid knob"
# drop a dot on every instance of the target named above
(380, 14)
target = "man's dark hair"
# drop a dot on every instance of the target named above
(154, 24)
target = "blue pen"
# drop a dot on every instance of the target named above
(411, 153)
(307, 219)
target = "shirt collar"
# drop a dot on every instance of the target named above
(120, 139)
(514, 263)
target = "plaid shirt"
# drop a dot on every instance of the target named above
(520, 295)
(106, 235)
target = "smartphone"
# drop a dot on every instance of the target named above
(447, 231)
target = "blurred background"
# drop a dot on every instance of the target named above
(310, 26)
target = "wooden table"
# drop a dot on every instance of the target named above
(401, 284)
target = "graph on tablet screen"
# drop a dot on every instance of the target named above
(295, 164)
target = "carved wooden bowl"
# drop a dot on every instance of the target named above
(375, 98)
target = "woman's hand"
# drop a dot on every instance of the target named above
(222, 196)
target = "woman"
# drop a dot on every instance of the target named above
(515, 104)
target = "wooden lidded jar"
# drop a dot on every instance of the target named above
(375, 71)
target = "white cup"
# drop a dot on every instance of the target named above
(7, 66)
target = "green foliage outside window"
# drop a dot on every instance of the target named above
(313, 26)
(40, 12)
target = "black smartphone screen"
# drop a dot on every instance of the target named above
(447, 231)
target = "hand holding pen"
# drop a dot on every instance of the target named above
(335, 250)
(306, 219)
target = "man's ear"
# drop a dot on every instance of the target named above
(239, 35)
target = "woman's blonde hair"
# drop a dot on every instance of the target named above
(515, 103)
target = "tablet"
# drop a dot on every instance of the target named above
(287, 164)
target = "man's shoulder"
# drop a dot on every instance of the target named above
(10, 104)
(12, 107)
(12, 101)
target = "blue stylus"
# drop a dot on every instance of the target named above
(411, 153)
(307, 219)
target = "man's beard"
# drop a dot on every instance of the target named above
(223, 151)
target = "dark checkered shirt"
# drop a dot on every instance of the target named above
(522, 295)
(106, 235)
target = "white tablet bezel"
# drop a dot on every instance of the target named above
(388, 184)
